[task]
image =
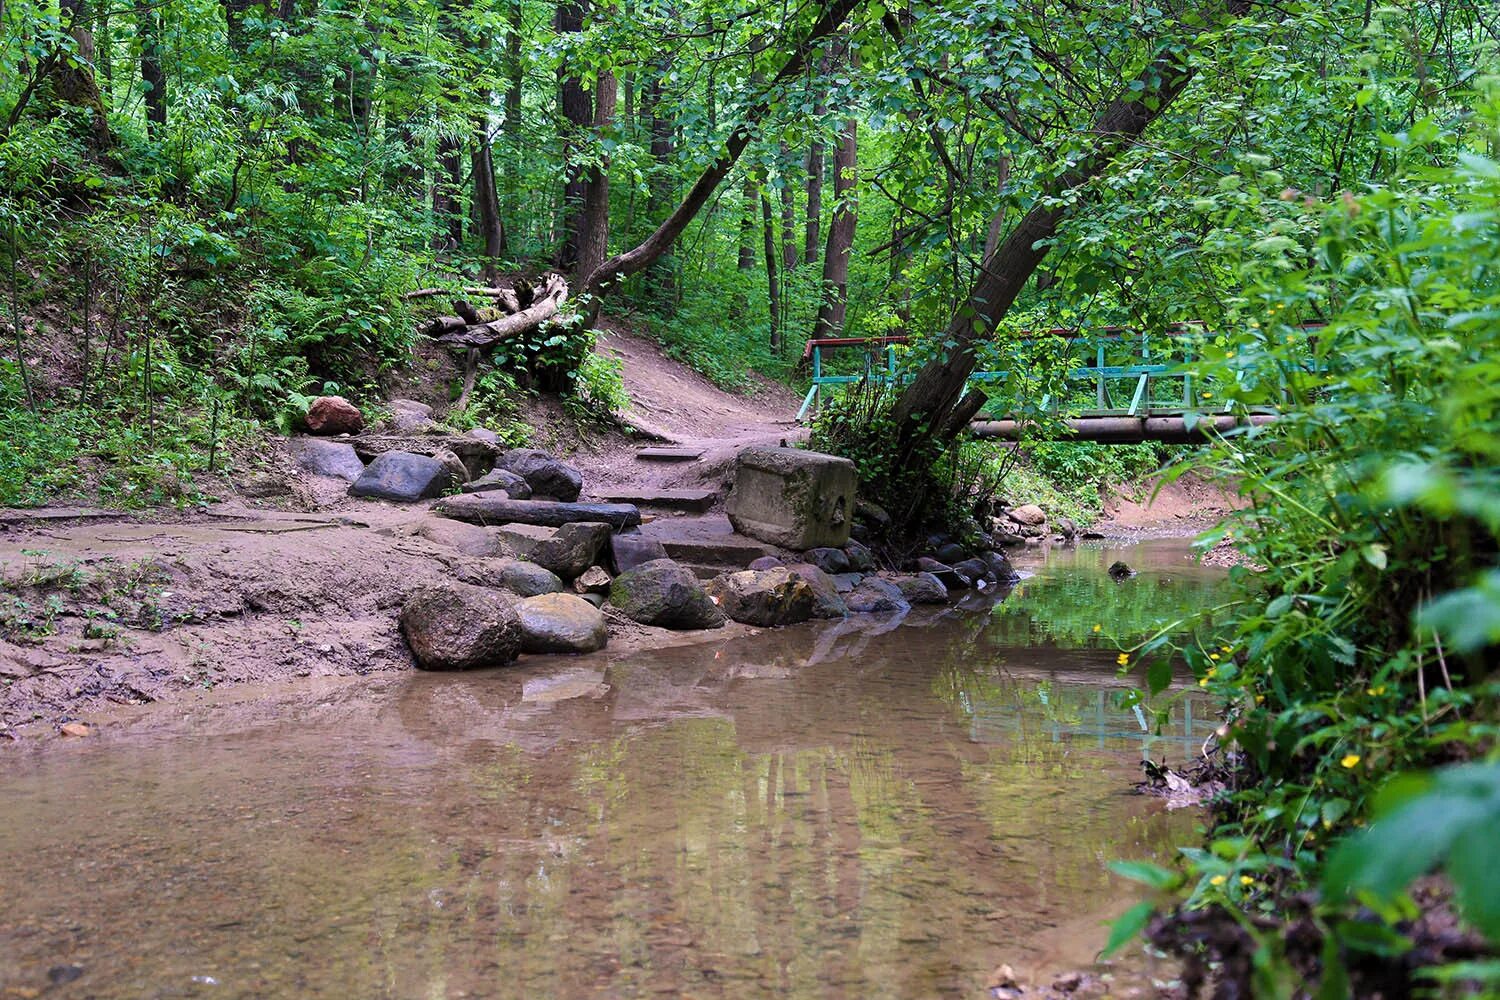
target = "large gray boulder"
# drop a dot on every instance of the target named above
(829, 560)
(629, 551)
(318, 457)
(513, 485)
(1004, 573)
(547, 476)
(861, 559)
(527, 579)
(567, 550)
(403, 477)
(663, 593)
(561, 623)
(455, 626)
(827, 601)
(922, 588)
(409, 416)
(875, 595)
(793, 498)
(470, 539)
(766, 597)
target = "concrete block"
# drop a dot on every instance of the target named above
(793, 498)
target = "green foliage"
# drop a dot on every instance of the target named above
(1365, 646)
(495, 404)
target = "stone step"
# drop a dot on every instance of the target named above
(696, 501)
(487, 508)
(729, 553)
(669, 454)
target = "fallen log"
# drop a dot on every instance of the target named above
(427, 293)
(547, 303)
(439, 325)
(486, 508)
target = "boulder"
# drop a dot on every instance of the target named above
(1065, 526)
(409, 416)
(1000, 567)
(547, 476)
(797, 499)
(872, 514)
(861, 559)
(561, 623)
(876, 596)
(317, 457)
(627, 551)
(663, 593)
(766, 597)
(951, 553)
(594, 580)
(497, 480)
(455, 626)
(1027, 513)
(328, 415)
(977, 571)
(766, 562)
(1119, 571)
(922, 588)
(492, 508)
(262, 485)
(845, 582)
(403, 477)
(828, 560)
(527, 579)
(567, 550)
(944, 573)
(454, 464)
(487, 436)
(827, 602)
(1005, 533)
(470, 539)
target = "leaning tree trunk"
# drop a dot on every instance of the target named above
(934, 407)
(487, 205)
(788, 215)
(830, 321)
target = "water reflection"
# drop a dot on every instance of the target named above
(814, 812)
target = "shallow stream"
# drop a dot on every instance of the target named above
(849, 810)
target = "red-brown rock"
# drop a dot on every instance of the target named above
(334, 415)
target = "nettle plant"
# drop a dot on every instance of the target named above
(1365, 643)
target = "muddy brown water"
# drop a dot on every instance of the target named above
(843, 810)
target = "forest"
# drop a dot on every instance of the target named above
(214, 211)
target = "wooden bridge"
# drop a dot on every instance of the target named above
(1120, 386)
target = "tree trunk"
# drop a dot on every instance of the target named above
(788, 215)
(773, 287)
(149, 26)
(927, 409)
(75, 78)
(487, 206)
(835, 298)
(632, 261)
(747, 223)
(578, 115)
(593, 236)
(814, 233)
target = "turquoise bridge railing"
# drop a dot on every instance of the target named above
(1125, 369)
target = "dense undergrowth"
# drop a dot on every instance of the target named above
(1363, 653)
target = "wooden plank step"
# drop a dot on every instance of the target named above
(697, 501)
(669, 454)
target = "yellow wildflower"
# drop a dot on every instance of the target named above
(1214, 657)
(1123, 659)
(1246, 880)
(1376, 691)
(1217, 880)
(1260, 699)
(1349, 760)
(1098, 628)
(1203, 682)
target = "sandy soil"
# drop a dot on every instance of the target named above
(1185, 506)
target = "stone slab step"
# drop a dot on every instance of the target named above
(669, 454)
(487, 508)
(696, 501)
(733, 553)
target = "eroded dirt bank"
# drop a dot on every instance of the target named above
(105, 609)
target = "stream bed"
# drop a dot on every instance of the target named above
(853, 810)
